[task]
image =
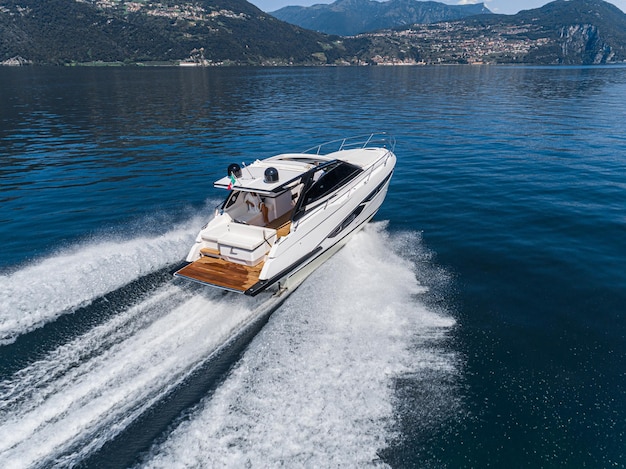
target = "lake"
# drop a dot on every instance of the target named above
(478, 321)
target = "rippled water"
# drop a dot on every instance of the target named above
(478, 321)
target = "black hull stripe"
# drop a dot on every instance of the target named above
(310, 257)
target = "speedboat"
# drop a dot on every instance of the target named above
(287, 214)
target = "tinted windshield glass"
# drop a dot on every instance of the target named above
(329, 179)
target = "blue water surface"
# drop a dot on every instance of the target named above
(508, 205)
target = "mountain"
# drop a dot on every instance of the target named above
(350, 17)
(576, 32)
(569, 32)
(234, 32)
(200, 31)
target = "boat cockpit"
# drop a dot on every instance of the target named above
(290, 200)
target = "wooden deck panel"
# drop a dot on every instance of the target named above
(222, 273)
(282, 225)
(210, 252)
(213, 270)
(283, 230)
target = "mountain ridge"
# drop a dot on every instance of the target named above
(202, 31)
(351, 17)
(566, 32)
(235, 32)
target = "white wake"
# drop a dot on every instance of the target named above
(47, 288)
(315, 388)
(68, 404)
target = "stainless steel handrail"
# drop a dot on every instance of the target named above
(373, 140)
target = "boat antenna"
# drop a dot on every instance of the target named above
(244, 165)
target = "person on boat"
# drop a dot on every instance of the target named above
(256, 204)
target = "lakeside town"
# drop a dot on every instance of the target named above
(237, 33)
(186, 11)
(457, 42)
(440, 43)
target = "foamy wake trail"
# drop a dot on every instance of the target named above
(68, 404)
(47, 288)
(316, 387)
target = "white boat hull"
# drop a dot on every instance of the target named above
(309, 219)
(316, 245)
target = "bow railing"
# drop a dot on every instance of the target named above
(374, 140)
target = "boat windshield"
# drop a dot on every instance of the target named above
(328, 179)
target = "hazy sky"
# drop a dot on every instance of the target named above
(507, 7)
